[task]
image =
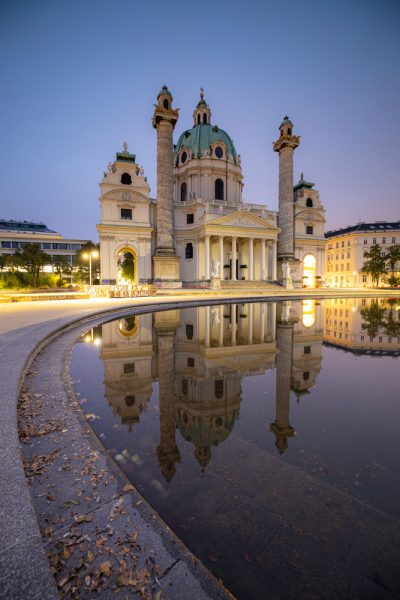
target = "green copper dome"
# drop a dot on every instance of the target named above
(201, 137)
(286, 121)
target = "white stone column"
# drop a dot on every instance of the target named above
(221, 326)
(262, 322)
(262, 251)
(207, 256)
(251, 259)
(233, 324)
(207, 328)
(233, 270)
(221, 256)
(273, 260)
(250, 323)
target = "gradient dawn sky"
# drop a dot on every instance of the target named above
(81, 77)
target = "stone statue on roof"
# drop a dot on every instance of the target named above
(125, 150)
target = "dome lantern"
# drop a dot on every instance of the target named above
(202, 112)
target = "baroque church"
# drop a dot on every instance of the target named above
(198, 231)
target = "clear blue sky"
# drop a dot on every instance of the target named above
(80, 77)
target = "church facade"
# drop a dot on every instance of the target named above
(198, 231)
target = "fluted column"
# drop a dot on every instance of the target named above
(207, 255)
(251, 259)
(221, 326)
(221, 255)
(233, 270)
(250, 321)
(233, 324)
(262, 322)
(262, 252)
(207, 327)
(273, 260)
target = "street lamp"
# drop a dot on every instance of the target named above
(90, 255)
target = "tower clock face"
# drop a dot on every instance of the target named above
(183, 157)
(219, 152)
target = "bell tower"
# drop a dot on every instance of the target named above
(285, 145)
(166, 261)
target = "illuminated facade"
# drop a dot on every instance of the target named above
(345, 250)
(200, 232)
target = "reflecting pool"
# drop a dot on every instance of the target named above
(266, 435)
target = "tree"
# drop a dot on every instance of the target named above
(373, 317)
(33, 259)
(61, 267)
(4, 261)
(392, 258)
(82, 264)
(127, 265)
(376, 263)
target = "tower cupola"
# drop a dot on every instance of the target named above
(202, 112)
(164, 98)
(286, 127)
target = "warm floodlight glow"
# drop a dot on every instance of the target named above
(87, 339)
(85, 256)
(308, 317)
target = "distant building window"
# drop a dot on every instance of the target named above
(309, 229)
(166, 104)
(126, 213)
(348, 242)
(129, 368)
(205, 119)
(6, 244)
(365, 242)
(219, 152)
(374, 240)
(198, 119)
(342, 244)
(183, 192)
(189, 332)
(183, 157)
(306, 376)
(383, 240)
(129, 400)
(126, 179)
(309, 203)
(189, 250)
(190, 219)
(54, 246)
(337, 244)
(364, 279)
(371, 338)
(219, 389)
(362, 338)
(307, 349)
(393, 240)
(15, 245)
(289, 131)
(219, 189)
(380, 339)
(185, 387)
(190, 362)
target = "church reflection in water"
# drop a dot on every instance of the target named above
(199, 356)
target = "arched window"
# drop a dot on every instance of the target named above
(205, 119)
(219, 388)
(309, 203)
(184, 192)
(289, 131)
(126, 179)
(198, 119)
(129, 400)
(166, 104)
(189, 250)
(306, 376)
(219, 189)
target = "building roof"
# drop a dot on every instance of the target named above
(201, 137)
(376, 227)
(24, 226)
(303, 184)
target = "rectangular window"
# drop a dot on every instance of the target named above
(364, 279)
(307, 349)
(363, 302)
(383, 240)
(189, 250)
(6, 244)
(219, 388)
(75, 246)
(14, 244)
(54, 246)
(63, 246)
(348, 267)
(189, 332)
(46, 246)
(348, 243)
(362, 338)
(190, 362)
(393, 240)
(342, 244)
(374, 240)
(190, 219)
(129, 368)
(185, 387)
(309, 230)
(365, 242)
(126, 213)
(337, 244)
(389, 340)
(371, 339)
(380, 339)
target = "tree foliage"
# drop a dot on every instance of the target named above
(375, 265)
(127, 265)
(378, 318)
(33, 259)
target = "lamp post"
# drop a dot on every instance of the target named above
(90, 255)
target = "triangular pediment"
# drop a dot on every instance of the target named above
(243, 218)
